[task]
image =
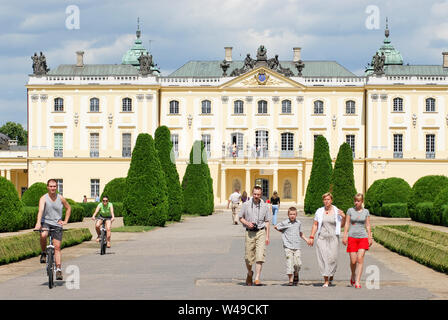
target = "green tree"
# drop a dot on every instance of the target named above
(321, 171)
(115, 189)
(425, 189)
(11, 208)
(372, 198)
(196, 183)
(342, 184)
(146, 200)
(15, 131)
(165, 152)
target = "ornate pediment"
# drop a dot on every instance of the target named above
(261, 78)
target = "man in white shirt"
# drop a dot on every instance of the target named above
(235, 199)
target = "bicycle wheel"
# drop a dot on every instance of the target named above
(50, 268)
(103, 242)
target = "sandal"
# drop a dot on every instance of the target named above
(290, 284)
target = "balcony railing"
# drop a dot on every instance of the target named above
(398, 154)
(58, 153)
(287, 154)
(94, 154)
(430, 155)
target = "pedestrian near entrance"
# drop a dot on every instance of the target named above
(275, 202)
(50, 216)
(327, 229)
(244, 197)
(291, 230)
(255, 217)
(234, 200)
(84, 200)
(357, 238)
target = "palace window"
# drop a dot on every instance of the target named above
(60, 183)
(430, 146)
(287, 145)
(430, 105)
(94, 105)
(262, 107)
(238, 107)
(94, 188)
(58, 104)
(94, 145)
(206, 140)
(58, 145)
(398, 146)
(350, 107)
(126, 145)
(318, 107)
(286, 106)
(175, 142)
(206, 107)
(127, 105)
(262, 143)
(174, 107)
(398, 105)
(350, 139)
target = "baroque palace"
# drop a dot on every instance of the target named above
(258, 119)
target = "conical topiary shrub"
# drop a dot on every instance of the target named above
(164, 148)
(33, 194)
(146, 201)
(11, 208)
(319, 182)
(342, 184)
(196, 183)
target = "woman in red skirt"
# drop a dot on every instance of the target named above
(357, 238)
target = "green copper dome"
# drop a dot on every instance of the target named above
(393, 56)
(132, 55)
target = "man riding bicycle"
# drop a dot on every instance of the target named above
(106, 210)
(50, 216)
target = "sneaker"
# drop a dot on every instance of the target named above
(43, 257)
(58, 275)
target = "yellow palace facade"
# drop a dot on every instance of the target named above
(258, 119)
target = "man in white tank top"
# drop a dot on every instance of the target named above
(50, 216)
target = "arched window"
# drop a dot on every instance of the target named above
(286, 106)
(174, 107)
(94, 105)
(206, 107)
(262, 106)
(58, 104)
(318, 107)
(398, 104)
(430, 105)
(127, 105)
(350, 107)
(238, 107)
(287, 190)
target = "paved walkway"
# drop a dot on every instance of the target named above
(203, 258)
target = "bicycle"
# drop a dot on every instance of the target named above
(103, 235)
(50, 263)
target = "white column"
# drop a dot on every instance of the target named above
(2, 173)
(275, 184)
(299, 186)
(223, 186)
(248, 185)
(8, 174)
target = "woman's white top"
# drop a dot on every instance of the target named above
(319, 216)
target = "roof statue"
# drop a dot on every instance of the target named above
(39, 64)
(262, 61)
(224, 66)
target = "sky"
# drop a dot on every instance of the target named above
(346, 31)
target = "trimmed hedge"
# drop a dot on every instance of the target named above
(395, 210)
(372, 197)
(115, 190)
(426, 246)
(424, 212)
(27, 245)
(89, 208)
(32, 195)
(10, 206)
(425, 189)
(445, 215)
(394, 190)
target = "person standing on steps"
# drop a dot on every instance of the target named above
(255, 217)
(50, 216)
